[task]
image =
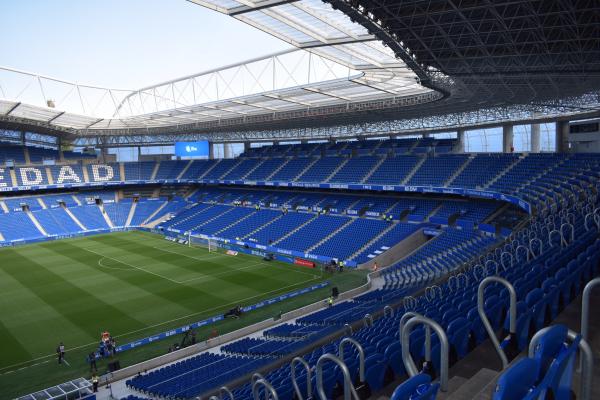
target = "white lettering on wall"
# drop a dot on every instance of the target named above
(102, 173)
(31, 176)
(67, 173)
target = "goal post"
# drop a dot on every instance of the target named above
(202, 241)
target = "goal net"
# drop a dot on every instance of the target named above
(202, 241)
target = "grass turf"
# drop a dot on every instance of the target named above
(133, 284)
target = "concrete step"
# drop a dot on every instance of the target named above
(467, 389)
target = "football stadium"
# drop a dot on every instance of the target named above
(300, 199)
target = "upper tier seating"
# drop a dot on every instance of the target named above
(435, 171)
(222, 167)
(29, 176)
(292, 169)
(170, 169)
(355, 170)
(393, 170)
(265, 169)
(140, 171)
(482, 169)
(65, 174)
(320, 170)
(11, 152)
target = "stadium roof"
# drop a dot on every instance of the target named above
(336, 62)
(355, 61)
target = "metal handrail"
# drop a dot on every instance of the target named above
(512, 260)
(411, 300)
(585, 306)
(562, 239)
(387, 309)
(256, 376)
(486, 322)
(349, 328)
(411, 314)
(361, 355)
(495, 262)
(303, 362)
(270, 389)
(222, 390)
(368, 320)
(527, 253)
(349, 390)
(409, 363)
(572, 232)
(587, 360)
(541, 247)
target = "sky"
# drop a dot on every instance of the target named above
(124, 43)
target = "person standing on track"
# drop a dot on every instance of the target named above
(60, 351)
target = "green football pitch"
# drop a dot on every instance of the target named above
(133, 284)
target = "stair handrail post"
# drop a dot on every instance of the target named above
(349, 390)
(512, 261)
(572, 230)
(476, 268)
(268, 387)
(587, 359)
(361, 355)
(348, 327)
(527, 252)
(494, 262)
(405, 317)
(585, 306)
(301, 361)
(388, 310)
(368, 320)
(541, 247)
(486, 322)
(256, 376)
(225, 390)
(556, 232)
(409, 363)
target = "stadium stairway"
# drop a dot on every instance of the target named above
(459, 171)
(279, 168)
(74, 218)
(132, 209)
(154, 172)
(414, 170)
(373, 241)
(372, 171)
(36, 223)
(237, 221)
(185, 169)
(332, 234)
(105, 216)
(292, 232)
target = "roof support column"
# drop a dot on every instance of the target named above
(507, 138)
(460, 143)
(226, 150)
(562, 136)
(211, 150)
(535, 138)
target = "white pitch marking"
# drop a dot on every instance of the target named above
(132, 266)
(154, 326)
